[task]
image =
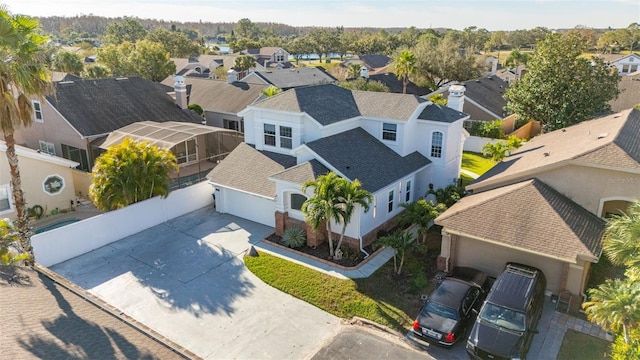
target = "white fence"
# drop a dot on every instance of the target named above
(476, 143)
(57, 245)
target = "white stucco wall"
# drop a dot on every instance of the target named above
(58, 245)
(244, 205)
(476, 143)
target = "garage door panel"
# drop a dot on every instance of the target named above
(247, 206)
(492, 258)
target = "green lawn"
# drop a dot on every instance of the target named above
(577, 345)
(383, 298)
(476, 163)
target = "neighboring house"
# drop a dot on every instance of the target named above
(47, 317)
(203, 66)
(221, 100)
(484, 98)
(509, 75)
(545, 204)
(395, 144)
(270, 57)
(629, 93)
(376, 64)
(626, 64)
(286, 79)
(74, 122)
(394, 84)
(47, 181)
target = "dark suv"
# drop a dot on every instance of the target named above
(507, 321)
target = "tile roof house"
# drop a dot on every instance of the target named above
(286, 79)
(73, 122)
(46, 317)
(395, 144)
(221, 100)
(544, 204)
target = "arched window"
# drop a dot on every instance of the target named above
(296, 201)
(436, 144)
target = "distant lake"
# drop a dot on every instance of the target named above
(224, 49)
(314, 56)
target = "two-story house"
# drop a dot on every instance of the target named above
(545, 204)
(286, 79)
(270, 57)
(395, 144)
(74, 121)
(625, 64)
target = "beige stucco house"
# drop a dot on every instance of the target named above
(47, 181)
(545, 204)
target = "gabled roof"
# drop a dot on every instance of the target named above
(248, 170)
(439, 113)
(329, 103)
(395, 85)
(487, 92)
(530, 216)
(219, 95)
(294, 77)
(612, 141)
(97, 107)
(611, 58)
(629, 93)
(374, 61)
(299, 174)
(42, 319)
(263, 51)
(358, 155)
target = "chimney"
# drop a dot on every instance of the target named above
(456, 97)
(364, 72)
(232, 76)
(494, 65)
(181, 92)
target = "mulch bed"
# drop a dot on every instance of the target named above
(352, 259)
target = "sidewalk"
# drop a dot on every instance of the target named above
(371, 264)
(560, 322)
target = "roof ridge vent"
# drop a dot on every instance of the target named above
(603, 135)
(122, 78)
(65, 82)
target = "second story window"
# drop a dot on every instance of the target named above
(47, 148)
(285, 137)
(37, 111)
(389, 131)
(390, 202)
(436, 144)
(407, 197)
(270, 134)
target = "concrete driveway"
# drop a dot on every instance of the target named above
(186, 280)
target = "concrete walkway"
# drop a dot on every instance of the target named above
(560, 322)
(469, 173)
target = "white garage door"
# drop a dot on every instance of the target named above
(491, 259)
(246, 206)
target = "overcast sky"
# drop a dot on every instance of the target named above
(455, 14)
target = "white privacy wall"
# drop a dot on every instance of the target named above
(61, 244)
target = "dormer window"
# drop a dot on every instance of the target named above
(270, 134)
(37, 111)
(286, 140)
(280, 56)
(436, 144)
(389, 131)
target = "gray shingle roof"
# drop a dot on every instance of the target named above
(374, 61)
(295, 77)
(95, 107)
(612, 140)
(395, 85)
(42, 319)
(358, 155)
(529, 215)
(248, 169)
(299, 174)
(488, 92)
(629, 96)
(439, 113)
(220, 96)
(330, 103)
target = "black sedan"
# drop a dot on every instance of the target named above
(447, 312)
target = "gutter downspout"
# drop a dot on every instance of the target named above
(366, 254)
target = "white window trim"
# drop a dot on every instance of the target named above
(441, 145)
(36, 112)
(294, 213)
(391, 202)
(383, 132)
(10, 198)
(278, 136)
(48, 146)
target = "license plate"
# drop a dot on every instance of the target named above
(431, 333)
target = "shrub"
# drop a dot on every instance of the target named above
(197, 108)
(488, 129)
(294, 237)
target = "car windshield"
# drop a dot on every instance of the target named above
(442, 310)
(503, 317)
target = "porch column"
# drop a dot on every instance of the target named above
(446, 249)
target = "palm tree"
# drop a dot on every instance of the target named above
(325, 205)
(615, 304)
(495, 151)
(352, 194)
(421, 213)
(68, 62)
(405, 65)
(353, 71)
(23, 75)
(8, 239)
(243, 63)
(401, 242)
(129, 173)
(622, 238)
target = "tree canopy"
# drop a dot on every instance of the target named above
(561, 87)
(131, 172)
(145, 58)
(129, 29)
